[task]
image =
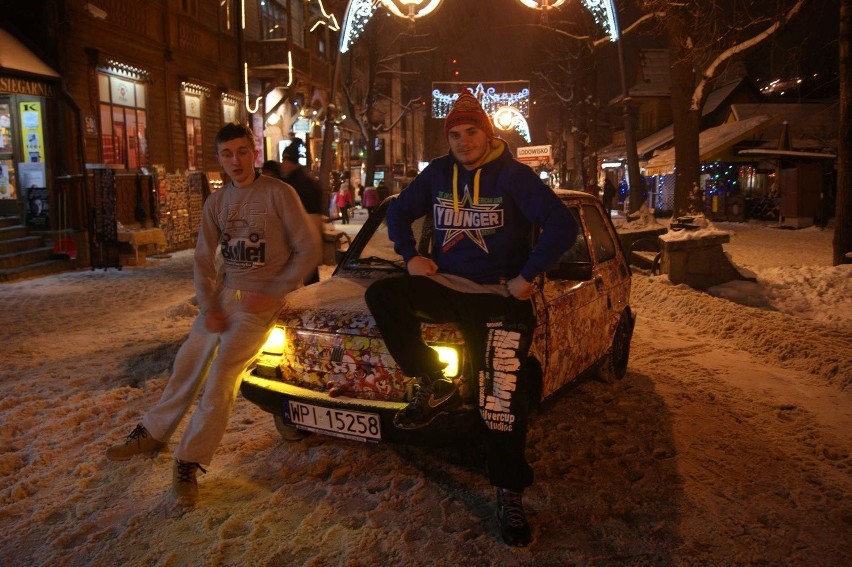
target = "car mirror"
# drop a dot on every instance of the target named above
(576, 271)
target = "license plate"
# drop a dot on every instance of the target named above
(354, 425)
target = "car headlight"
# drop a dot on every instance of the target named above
(275, 343)
(450, 356)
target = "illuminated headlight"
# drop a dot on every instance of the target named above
(450, 356)
(275, 343)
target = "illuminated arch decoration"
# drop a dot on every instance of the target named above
(508, 118)
(508, 102)
(490, 95)
(358, 13)
(604, 13)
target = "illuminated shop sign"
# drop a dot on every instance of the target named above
(24, 87)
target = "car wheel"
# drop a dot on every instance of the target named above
(614, 364)
(287, 431)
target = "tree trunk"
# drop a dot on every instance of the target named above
(686, 131)
(370, 166)
(843, 205)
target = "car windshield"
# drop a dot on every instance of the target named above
(378, 252)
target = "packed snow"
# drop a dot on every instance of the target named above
(727, 443)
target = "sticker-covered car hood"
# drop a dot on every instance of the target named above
(335, 305)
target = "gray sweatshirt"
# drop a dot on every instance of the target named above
(254, 238)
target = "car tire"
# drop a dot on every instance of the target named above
(614, 364)
(287, 431)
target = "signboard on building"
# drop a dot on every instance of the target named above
(535, 156)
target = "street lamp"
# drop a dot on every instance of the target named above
(633, 175)
(543, 5)
(411, 9)
(606, 16)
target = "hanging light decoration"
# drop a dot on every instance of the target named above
(358, 13)
(412, 9)
(604, 13)
(542, 4)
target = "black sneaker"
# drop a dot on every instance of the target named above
(430, 400)
(513, 522)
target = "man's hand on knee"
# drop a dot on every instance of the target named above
(421, 266)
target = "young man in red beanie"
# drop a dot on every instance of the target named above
(484, 205)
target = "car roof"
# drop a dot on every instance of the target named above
(575, 194)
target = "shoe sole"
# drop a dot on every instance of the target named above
(121, 458)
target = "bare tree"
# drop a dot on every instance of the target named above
(377, 60)
(703, 36)
(566, 80)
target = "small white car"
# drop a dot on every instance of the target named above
(327, 370)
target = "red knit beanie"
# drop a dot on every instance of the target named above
(467, 110)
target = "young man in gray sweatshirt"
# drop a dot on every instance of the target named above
(256, 243)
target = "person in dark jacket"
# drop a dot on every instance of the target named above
(308, 189)
(608, 195)
(484, 205)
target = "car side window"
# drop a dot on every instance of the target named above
(601, 240)
(579, 251)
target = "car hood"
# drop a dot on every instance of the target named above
(335, 305)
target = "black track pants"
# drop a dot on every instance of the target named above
(497, 330)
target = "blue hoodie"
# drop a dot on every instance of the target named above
(483, 221)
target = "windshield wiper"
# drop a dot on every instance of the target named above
(398, 264)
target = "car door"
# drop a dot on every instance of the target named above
(610, 276)
(568, 304)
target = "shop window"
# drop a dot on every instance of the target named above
(123, 121)
(7, 163)
(230, 108)
(273, 19)
(194, 145)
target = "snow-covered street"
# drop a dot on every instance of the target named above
(727, 443)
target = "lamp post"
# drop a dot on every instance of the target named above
(633, 176)
(605, 14)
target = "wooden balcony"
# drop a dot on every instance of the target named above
(269, 59)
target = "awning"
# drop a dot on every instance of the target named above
(16, 57)
(349, 124)
(767, 152)
(643, 146)
(711, 142)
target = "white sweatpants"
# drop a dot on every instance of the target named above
(199, 364)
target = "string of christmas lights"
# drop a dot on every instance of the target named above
(357, 16)
(722, 178)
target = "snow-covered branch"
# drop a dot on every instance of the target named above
(709, 73)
